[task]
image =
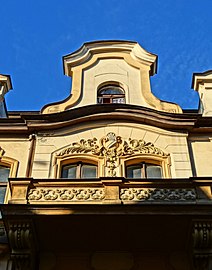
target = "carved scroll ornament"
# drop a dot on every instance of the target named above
(111, 147)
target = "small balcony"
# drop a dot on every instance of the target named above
(110, 191)
(137, 216)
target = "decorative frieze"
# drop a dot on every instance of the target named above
(156, 194)
(112, 147)
(66, 194)
(112, 143)
(98, 194)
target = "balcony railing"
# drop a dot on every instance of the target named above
(110, 191)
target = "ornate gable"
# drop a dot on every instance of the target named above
(123, 63)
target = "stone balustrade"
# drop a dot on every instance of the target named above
(110, 191)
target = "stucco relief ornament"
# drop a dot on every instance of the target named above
(66, 194)
(111, 147)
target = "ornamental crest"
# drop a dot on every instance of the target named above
(112, 147)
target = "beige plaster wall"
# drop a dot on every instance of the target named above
(173, 143)
(110, 70)
(201, 149)
(16, 148)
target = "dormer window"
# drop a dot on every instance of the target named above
(110, 94)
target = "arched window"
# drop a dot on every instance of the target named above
(4, 174)
(144, 170)
(110, 94)
(79, 170)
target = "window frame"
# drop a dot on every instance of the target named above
(12, 164)
(163, 162)
(110, 97)
(143, 168)
(59, 162)
(4, 184)
(79, 168)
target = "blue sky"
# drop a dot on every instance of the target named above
(35, 34)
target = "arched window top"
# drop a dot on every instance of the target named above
(110, 93)
(111, 90)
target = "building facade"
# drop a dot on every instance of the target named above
(111, 177)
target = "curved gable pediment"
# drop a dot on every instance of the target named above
(101, 62)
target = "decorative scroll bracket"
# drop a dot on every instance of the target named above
(202, 245)
(22, 243)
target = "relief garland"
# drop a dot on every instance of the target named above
(111, 147)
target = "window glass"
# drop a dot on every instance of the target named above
(2, 194)
(111, 94)
(105, 100)
(134, 171)
(111, 91)
(118, 100)
(79, 170)
(4, 173)
(88, 171)
(69, 171)
(153, 171)
(144, 170)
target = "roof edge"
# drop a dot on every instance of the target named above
(88, 49)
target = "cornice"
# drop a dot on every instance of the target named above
(6, 79)
(17, 210)
(198, 78)
(27, 122)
